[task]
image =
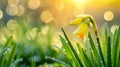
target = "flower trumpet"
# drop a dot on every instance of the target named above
(83, 22)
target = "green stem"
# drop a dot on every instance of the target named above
(101, 54)
(97, 37)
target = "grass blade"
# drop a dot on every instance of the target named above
(68, 51)
(73, 50)
(84, 57)
(2, 60)
(9, 41)
(109, 52)
(56, 60)
(11, 57)
(116, 47)
(94, 49)
(100, 52)
(33, 64)
(64, 54)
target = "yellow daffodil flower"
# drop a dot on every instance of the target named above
(79, 19)
(82, 30)
(83, 22)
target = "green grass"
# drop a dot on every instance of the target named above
(13, 55)
(7, 58)
(105, 54)
(25, 51)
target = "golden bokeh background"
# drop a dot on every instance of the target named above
(59, 12)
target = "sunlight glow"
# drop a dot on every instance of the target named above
(80, 1)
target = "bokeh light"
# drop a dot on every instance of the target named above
(12, 24)
(34, 4)
(80, 1)
(13, 2)
(46, 16)
(1, 14)
(12, 10)
(108, 16)
(113, 28)
(20, 10)
(45, 30)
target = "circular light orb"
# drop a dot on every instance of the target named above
(13, 2)
(12, 10)
(46, 16)
(34, 4)
(20, 10)
(113, 28)
(108, 16)
(45, 30)
(12, 24)
(1, 14)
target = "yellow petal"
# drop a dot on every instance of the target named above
(79, 19)
(76, 21)
(82, 30)
(81, 35)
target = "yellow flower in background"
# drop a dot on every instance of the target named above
(83, 22)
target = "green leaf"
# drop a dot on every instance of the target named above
(33, 64)
(100, 52)
(107, 47)
(109, 62)
(64, 54)
(115, 48)
(9, 41)
(94, 49)
(73, 50)
(12, 54)
(2, 60)
(84, 57)
(56, 60)
(68, 51)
